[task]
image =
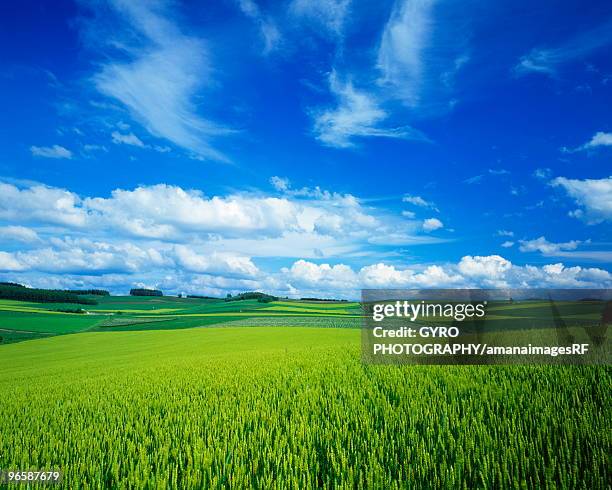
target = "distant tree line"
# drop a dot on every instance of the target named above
(328, 300)
(197, 296)
(95, 292)
(145, 292)
(261, 297)
(21, 293)
(71, 310)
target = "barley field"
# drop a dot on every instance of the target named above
(273, 407)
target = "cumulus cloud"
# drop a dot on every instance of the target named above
(18, 233)
(41, 203)
(470, 271)
(323, 276)
(55, 151)
(593, 196)
(165, 71)
(84, 256)
(545, 247)
(216, 263)
(431, 224)
(491, 267)
(303, 222)
(184, 240)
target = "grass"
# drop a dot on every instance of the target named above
(41, 322)
(292, 407)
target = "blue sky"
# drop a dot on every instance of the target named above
(306, 146)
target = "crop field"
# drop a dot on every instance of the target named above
(292, 407)
(21, 320)
(127, 395)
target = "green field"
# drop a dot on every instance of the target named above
(21, 320)
(284, 403)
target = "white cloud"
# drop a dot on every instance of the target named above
(357, 114)
(594, 196)
(400, 55)
(542, 173)
(280, 183)
(422, 49)
(118, 266)
(330, 14)
(431, 224)
(418, 201)
(324, 276)
(408, 214)
(507, 244)
(41, 203)
(299, 222)
(545, 247)
(499, 171)
(490, 267)
(599, 139)
(269, 32)
(167, 69)
(85, 256)
(505, 233)
(91, 148)
(127, 139)
(8, 262)
(473, 180)
(55, 151)
(215, 263)
(18, 233)
(547, 61)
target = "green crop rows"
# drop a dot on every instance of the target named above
(292, 408)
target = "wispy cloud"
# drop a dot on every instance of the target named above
(476, 179)
(499, 171)
(401, 48)
(547, 61)
(165, 71)
(267, 27)
(473, 180)
(55, 151)
(356, 114)
(542, 173)
(330, 14)
(418, 201)
(421, 51)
